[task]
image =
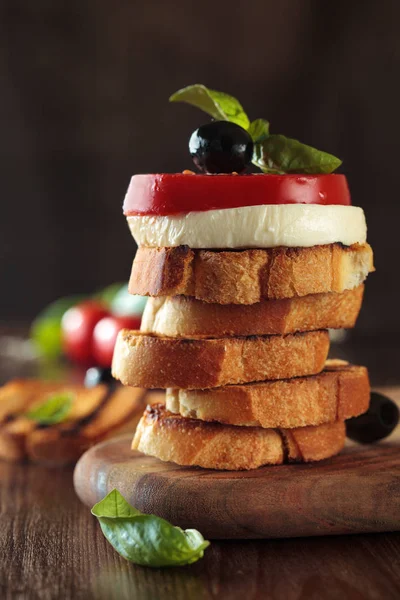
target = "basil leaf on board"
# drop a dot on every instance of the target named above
(55, 409)
(217, 104)
(259, 130)
(146, 540)
(278, 153)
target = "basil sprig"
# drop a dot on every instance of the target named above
(146, 540)
(217, 104)
(55, 409)
(272, 153)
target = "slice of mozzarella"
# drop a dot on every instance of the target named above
(266, 226)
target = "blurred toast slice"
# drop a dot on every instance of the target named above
(96, 413)
(184, 316)
(191, 442)
(162, 362)
(249, 276)
(340, 392)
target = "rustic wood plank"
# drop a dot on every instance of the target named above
(357, 491)
(51, 548)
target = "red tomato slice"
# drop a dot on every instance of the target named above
(174, 193)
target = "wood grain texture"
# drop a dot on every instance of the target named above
(357, 491)
(52, 548)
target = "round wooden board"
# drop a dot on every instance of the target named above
(357, 491)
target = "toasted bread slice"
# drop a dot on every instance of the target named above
(96, 414)
(215, 446)
(340, 392)
(18, 394)
(184, 316)
(161, 362)
(249, 276)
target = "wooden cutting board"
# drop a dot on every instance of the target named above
(357, 491)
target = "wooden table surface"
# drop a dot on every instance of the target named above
(52, 548)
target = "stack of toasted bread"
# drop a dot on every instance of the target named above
(239, 340)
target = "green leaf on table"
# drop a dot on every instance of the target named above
(278, 153)
(218, 105)
(55, 409)
(146, 540)
(46, 328)
(259, 130)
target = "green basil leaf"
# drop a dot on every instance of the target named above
(146, 540)
(55, 409)
(113, 506)
(217, 104)
(259, 130)
(278, 153)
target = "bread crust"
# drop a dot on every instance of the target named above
(338, 393)
(184, 316)
(215, 446)
(249, 276)
(161, 362)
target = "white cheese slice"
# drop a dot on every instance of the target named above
(266, 226)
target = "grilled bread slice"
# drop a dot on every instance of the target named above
(161, 362)
(95, 414)
(184, 316)
(340, 392)
(249, 276)
(215, 446)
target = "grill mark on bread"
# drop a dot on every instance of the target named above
(8, 419)
(131, 334)
(264, 276)
(157, 415)
(285, 445)
(296, 249)
(80, 424)
(75, 427)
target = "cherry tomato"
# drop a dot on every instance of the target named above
(77, 327)
(105, 334)
(169, 194)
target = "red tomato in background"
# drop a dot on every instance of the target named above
(105, 335)
(77, 327)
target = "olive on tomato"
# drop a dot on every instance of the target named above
(105, 335)
(77, 327)
(221, 147)
(165, 194)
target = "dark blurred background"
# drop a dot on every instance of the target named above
(84, 105)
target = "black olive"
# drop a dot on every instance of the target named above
(221, 147)
(377, 423)
(95, 376)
